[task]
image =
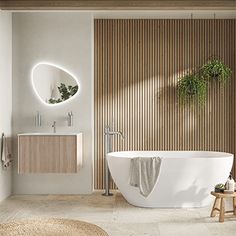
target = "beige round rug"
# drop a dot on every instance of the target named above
(50, 227)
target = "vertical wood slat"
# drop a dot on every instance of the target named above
(137, 65)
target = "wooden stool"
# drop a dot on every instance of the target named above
(219, 204)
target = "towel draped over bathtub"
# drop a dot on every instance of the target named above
(144, 172)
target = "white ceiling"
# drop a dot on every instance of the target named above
(161, 14)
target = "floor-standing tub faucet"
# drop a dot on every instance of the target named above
(108, 148)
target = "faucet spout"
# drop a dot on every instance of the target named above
(120, 133)
(70, 118)
(108, 132)
(54, 127)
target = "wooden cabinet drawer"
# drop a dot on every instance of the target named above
(49, 153)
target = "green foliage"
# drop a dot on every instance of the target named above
(215, 69)
(54, 101)
(220, 186)
(66, 92)
(194, 86)
(191, 88)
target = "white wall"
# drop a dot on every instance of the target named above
(66, 40)
(5, 93)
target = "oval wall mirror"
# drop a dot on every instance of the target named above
(53, 84)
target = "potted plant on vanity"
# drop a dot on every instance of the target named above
(191, 87)
(215, 69)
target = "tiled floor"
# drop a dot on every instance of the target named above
(116, 216)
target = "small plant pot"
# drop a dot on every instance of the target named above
(191, 93)
(215, 70)
(215, 76)
(217, 190)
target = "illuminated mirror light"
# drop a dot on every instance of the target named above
(53, 84)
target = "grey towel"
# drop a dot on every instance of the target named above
(144, 172)
(5, 153)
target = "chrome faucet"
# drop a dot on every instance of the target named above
(70, 118)
(38, 121)
(108, 132)
(54, 127)
(108, 149)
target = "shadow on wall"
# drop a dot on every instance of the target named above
(150, 112)
(152, 118)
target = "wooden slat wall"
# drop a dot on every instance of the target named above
(137, 65)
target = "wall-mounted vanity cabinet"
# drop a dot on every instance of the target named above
(49, 153)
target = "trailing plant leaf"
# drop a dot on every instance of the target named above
(215, 69)
(54, 101)
(65, 92)
(192, 88)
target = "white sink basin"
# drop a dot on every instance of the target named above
(49, 134)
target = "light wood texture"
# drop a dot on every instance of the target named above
(222, 210)
(225, 195)
(137, 66)
(234, 204)
(49, 154)
(219, 204)
(215, 207)
(117, 5)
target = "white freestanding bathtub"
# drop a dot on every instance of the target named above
(186, 178)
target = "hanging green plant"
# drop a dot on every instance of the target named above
(215, 69)
(191, 88)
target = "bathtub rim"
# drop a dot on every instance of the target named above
(224, 154)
